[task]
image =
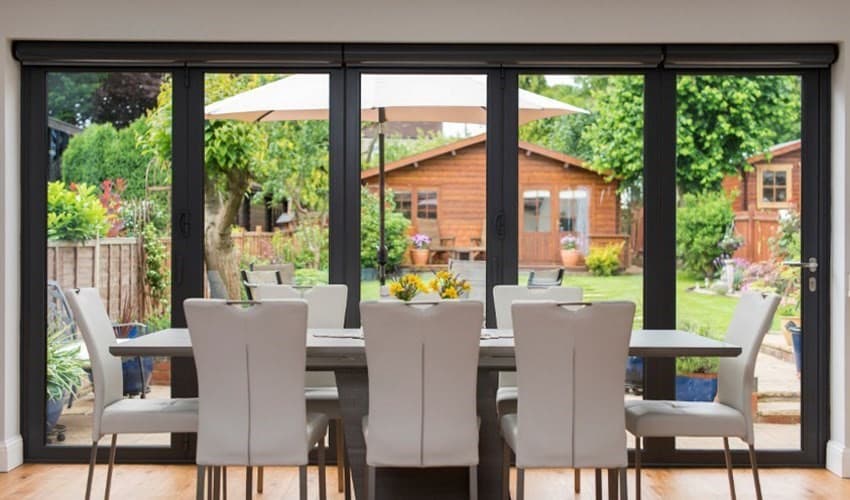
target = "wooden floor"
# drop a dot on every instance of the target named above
(178, 481)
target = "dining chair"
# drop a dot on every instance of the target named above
(250, 358)
(326, 309)
(251, 279)
(111, 413)
(285, 270)
(570, 375)
(422, 360)
(731, 414)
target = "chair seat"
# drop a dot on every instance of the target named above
(684, 418)
(506, 400)
(145, 416)
(323, 400)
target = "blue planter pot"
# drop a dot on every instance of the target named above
(695, 388)
(53, 411)
(797, 343)
(634, 372)
(130, 369)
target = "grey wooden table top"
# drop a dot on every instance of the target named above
(344, 347)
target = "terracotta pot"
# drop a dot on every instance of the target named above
(571, 258)
(419, 256)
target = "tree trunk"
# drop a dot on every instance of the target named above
(221, 210)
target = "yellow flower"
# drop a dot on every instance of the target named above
(450, 293)
(466, 285)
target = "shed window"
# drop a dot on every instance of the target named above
(426, 205)
(774, 186)
(403, 203)
(536, 211)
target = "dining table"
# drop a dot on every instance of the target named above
(343, 352)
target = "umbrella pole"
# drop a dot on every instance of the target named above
(382, 248)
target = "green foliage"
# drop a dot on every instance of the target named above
(156, 273)
(604, 260)
(697, 364)
(785, 244)
(75, 213)
(311, 277)
(298, 165)
(702, 220)
(396, 226)
(71, 96)
(306, 247)
(722, 120)
(64, 366)
(159, 321)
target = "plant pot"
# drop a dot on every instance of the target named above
(783, 322)
(132, 376)
(696, 387)
(571, 258)
(419, 256)
(53, 410)
(797, 344)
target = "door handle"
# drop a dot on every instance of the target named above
(811, 264)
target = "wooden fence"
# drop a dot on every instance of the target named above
(756, 228)
(112, 265)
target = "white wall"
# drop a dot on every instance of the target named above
(521, 21)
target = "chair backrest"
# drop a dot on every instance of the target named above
(250, 279)
(505, 295)
(286, 271)
(326, 303)
(546, 277)
(251, 368)
(750, 322)
(475, 272)
(218, 290)
(96, 328)
(570, 383)
(423, 363)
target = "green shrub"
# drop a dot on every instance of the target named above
(698, 364)
(103, 152)
(156, 272)
(604, 260)
(702, 221)
(785, 244)
(75, 213)
(311, 277)
(396, 230)
(306, 247)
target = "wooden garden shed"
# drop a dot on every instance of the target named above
(771, 186)
(443, 190)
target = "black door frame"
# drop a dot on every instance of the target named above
(658, 63)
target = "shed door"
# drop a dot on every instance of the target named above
(538, 228)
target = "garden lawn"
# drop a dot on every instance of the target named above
(712, 312)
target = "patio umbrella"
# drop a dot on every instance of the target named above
(384, 98)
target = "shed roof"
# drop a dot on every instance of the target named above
(412, 160)
(777, 150)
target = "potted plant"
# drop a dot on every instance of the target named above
(407, 287)
(64, 371)
(420, 252)
(570, 254)
(449, 285)
(696, 378)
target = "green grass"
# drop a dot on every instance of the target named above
(711, 312)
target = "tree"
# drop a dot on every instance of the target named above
(70, 96)
(722, 120)
(702, 221)
(118, 98)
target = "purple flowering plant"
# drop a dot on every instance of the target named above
(420, 241)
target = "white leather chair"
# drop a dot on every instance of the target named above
(112, 414)
(326, 309)
(570, 374)
(423, 363)
(730, 415)
(250, 359)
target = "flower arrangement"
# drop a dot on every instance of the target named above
(569, 242)
(420, 241)
(449, 285)
(407, 287)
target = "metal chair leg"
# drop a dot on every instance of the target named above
(340, 456)
(112, 448)
(520, 483)
(613, 475)
(728, 456)
(259, 479)
(323, 489)
(755, 467)
(506, 471)
(473, 482)
(92, 461)
(624, 484)
(577, 480)
(597, 476)
(224, 483)
(637, 466)
(199, 484)
(249, 482)
(371, 482)
(302, 482)
(217, 483)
